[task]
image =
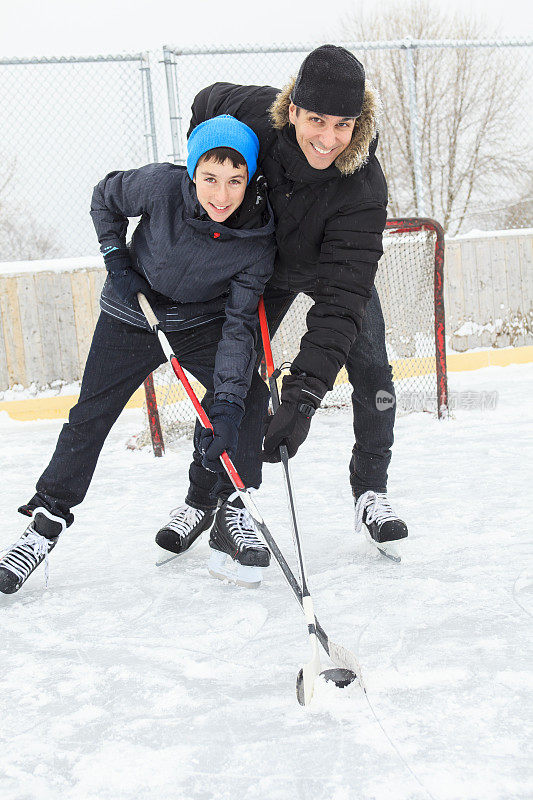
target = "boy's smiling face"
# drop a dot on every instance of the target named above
(220, 188)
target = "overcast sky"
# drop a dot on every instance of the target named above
(77, 27)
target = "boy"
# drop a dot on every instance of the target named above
(201, 253)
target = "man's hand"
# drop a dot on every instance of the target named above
(225, 418)
(301, 395)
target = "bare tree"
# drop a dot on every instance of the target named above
(21, 236)
(468, 106)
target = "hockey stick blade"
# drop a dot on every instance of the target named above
(341, 656)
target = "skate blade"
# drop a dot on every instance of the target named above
(248, 577)
(164, 556)
(390, 550)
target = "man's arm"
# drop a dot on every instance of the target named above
(351, 249)
(348, 262)
(248, 104)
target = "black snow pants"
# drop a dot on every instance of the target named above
(120, 358)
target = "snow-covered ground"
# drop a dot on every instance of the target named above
(125, 681)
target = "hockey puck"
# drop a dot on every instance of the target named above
(340, 677)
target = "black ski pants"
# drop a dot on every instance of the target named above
(120, 358)
(369, 373)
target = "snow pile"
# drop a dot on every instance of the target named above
(54, 389)
(51, 265)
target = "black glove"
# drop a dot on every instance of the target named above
(225, 418)
(126, 285)
(300, 397)
(125, 280)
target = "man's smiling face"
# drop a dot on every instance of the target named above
(321, 137)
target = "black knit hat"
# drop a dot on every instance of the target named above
(330, 81)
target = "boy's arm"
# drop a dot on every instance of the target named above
(115, 198)
(118, 196)
(235, 358)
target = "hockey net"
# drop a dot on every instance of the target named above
(410, 286)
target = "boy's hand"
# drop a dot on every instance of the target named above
(127, 283)
(225, 418)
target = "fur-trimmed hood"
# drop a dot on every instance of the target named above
(366, 127)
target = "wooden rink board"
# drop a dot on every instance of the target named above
(47, 319)
(59, 407)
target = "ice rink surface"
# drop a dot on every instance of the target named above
(124, 681)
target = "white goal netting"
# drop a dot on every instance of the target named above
(409, 283)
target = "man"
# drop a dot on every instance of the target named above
(318, 139)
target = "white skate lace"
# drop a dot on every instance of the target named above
(241, 528)
(26, 554)
(183, 519)
(377, 509)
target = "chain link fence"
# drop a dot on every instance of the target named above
(65, 124)
(455, 135)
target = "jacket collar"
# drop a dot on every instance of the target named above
(364, 138)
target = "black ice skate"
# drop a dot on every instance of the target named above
(233, 534)
(382, 527)
(182, 530)
(33, 547)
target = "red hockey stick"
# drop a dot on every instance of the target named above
(340, 655)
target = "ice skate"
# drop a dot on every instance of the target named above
(33, 547)
(383, 529)
(233, 536)
(182, 531)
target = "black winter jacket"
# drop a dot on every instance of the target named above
(201, 269)
(329, 223)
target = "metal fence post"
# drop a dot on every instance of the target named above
(173, 105)
(408, 45)
(148, 108)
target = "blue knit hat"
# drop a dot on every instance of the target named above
(223, 131)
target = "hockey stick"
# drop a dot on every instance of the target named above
(339, 655)
(307, 675)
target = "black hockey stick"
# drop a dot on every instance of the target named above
(340, 656)
(306, 677)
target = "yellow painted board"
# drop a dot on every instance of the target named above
(54, 407)
(458, 362)
(58, 407)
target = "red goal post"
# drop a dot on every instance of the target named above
(409, 281)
